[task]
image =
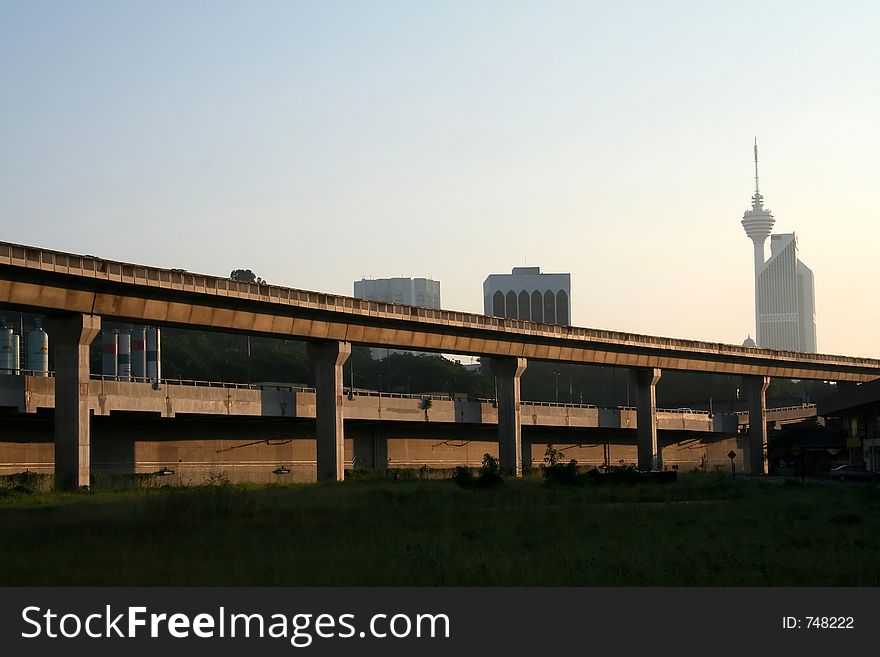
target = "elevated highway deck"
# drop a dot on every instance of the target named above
(77, 291)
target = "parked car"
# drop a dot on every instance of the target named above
(853, 473)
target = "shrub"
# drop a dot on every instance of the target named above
(490, 471)
(214, 477)
(463, 476)
(488, 475)
(27, 482)
(564, 474)
(553, 456)
(557, 472)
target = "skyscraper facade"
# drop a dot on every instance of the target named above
(785, 306)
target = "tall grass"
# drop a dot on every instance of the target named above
(703, 530)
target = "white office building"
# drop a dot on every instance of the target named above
(785, 304)
(422, 292)
(526, 293)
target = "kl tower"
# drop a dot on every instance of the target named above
(758, 222)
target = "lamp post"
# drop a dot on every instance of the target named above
(250, 362)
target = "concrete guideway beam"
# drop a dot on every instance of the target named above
(507, 382)
(71, 336)
(645, 382)
(328, 358)
(756, 389)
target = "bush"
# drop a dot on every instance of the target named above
(463, 476)
(124, 481)
(214, 477)
(629, 475)
(488, 475)
(27, 482)
(564, 474)
(553, 456)
(555, 472)
(490, 471)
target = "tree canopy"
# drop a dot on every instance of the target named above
(246, 276)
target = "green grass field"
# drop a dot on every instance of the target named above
(705, 529)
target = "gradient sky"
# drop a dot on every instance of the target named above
(320, 142)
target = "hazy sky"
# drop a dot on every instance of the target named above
(320, 142)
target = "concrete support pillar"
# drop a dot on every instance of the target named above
(507, 374)
(756, 390)
(645, 382)
(328, 359)
(71, 337)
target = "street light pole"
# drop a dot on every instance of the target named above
(250, 363)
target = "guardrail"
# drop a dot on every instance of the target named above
(18, 371)
(799, 407)
(179, 382)
(361, 392)
(684, 411)
(557, 404)
(398, 395)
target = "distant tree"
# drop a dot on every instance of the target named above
(246, 276)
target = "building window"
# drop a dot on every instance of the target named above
(537, 307)
(562, 307)
(498, 304)
(511, 305)
(524, 306)
(549, 307)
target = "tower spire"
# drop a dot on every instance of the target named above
(757, 191)
(758, 222)
(757, 199)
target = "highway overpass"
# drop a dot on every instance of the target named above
(77, 291)
(201, 430)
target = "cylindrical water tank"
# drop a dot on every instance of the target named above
(154, 354)
(7, 348)
(138, 353)
(109, 351)
(38, 351)
(124, 346)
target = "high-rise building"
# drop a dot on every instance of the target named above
(785, 306)
(422, 292)
(526, 293)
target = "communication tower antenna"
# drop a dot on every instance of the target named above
(756, 166)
